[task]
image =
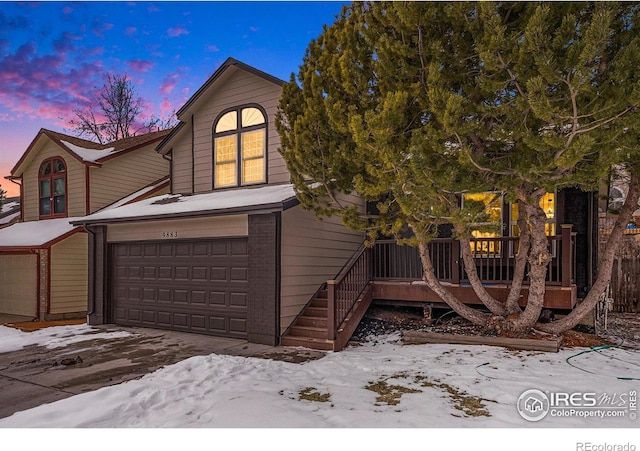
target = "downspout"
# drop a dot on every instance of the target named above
(592, 249)
(92, 268)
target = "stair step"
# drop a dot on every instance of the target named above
(307, 331)
(311, 321)
(319, 302)
(316, 311)
(312, 343)
(322, 294)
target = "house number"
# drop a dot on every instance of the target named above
(169, 234)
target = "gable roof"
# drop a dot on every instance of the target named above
(88, 152)
(230, 62)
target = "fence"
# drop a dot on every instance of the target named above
(625, 278)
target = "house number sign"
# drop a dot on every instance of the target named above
(169, 234)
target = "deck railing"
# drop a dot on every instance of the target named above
(494, 257)
(344, 291)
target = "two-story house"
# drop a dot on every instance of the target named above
(229, 252)
(43, 258)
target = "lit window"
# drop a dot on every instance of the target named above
(52, 188)
(239, 147)
(489, 225)
(548, 204)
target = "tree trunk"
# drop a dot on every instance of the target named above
(428, 274)
(605, 266)
(524, 244)
(539, 258)
(493, 305)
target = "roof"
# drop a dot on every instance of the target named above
(89, 152)
(36, 234)
(230, 62)
(174, 206)
(140, 194)
(10, 210)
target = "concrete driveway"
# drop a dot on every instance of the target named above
(36, 375)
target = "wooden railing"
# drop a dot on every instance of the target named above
(344, 291)
(494, 257)
(606, 223)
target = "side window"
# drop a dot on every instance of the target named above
(487, 207)
(52, 188)
(240, 147)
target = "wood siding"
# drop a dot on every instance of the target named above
(76, 194)
(224, 226)
(237, 87)
(18, 284)
(312, 252)
(69, 275)
(124, 175)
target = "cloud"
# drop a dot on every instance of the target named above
(177, 31)
(212, 48)
(46, 87)
(130, 31)
(67, 10)
(66, 43)
(98, 28)
(8, 24)
(254, 29)
(141, 65)
(169, 82)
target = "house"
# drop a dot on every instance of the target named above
(10, 211)
(43, 258)
(230, 252)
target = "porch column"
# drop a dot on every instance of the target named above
(567, 257)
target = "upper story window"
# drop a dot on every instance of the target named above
(239, 147)
(52, 188)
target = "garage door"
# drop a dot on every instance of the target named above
(18, 284)
(194, 286)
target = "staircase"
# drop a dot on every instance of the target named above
(310, 328)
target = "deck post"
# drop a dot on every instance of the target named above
(567, 258)
(455, 262)
(331, 309)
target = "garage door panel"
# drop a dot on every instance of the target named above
(198, 286)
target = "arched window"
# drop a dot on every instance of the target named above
(239, 147)
(52, 187)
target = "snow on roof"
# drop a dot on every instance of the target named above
(172, 204)
(8, 206)
(136, 195)
(34, 233)
(7, 219)
(90, 155)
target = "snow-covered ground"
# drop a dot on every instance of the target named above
(381, 384)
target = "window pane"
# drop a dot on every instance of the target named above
(46, 168)
(58, 186)
(59, 204)
(253, 144)
(225, 174)
(253, 171)
(58, 166)
(45, 206)
(252, 116)
(225, 149)
(45, 188)
(227, 122)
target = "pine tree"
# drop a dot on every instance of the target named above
(411, 105)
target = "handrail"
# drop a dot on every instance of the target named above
(343, 291)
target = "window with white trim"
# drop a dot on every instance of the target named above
(240, 147)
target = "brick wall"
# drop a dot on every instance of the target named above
(264, 264)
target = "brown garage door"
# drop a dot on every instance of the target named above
(195, 286)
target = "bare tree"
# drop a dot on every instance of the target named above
(115, 113)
